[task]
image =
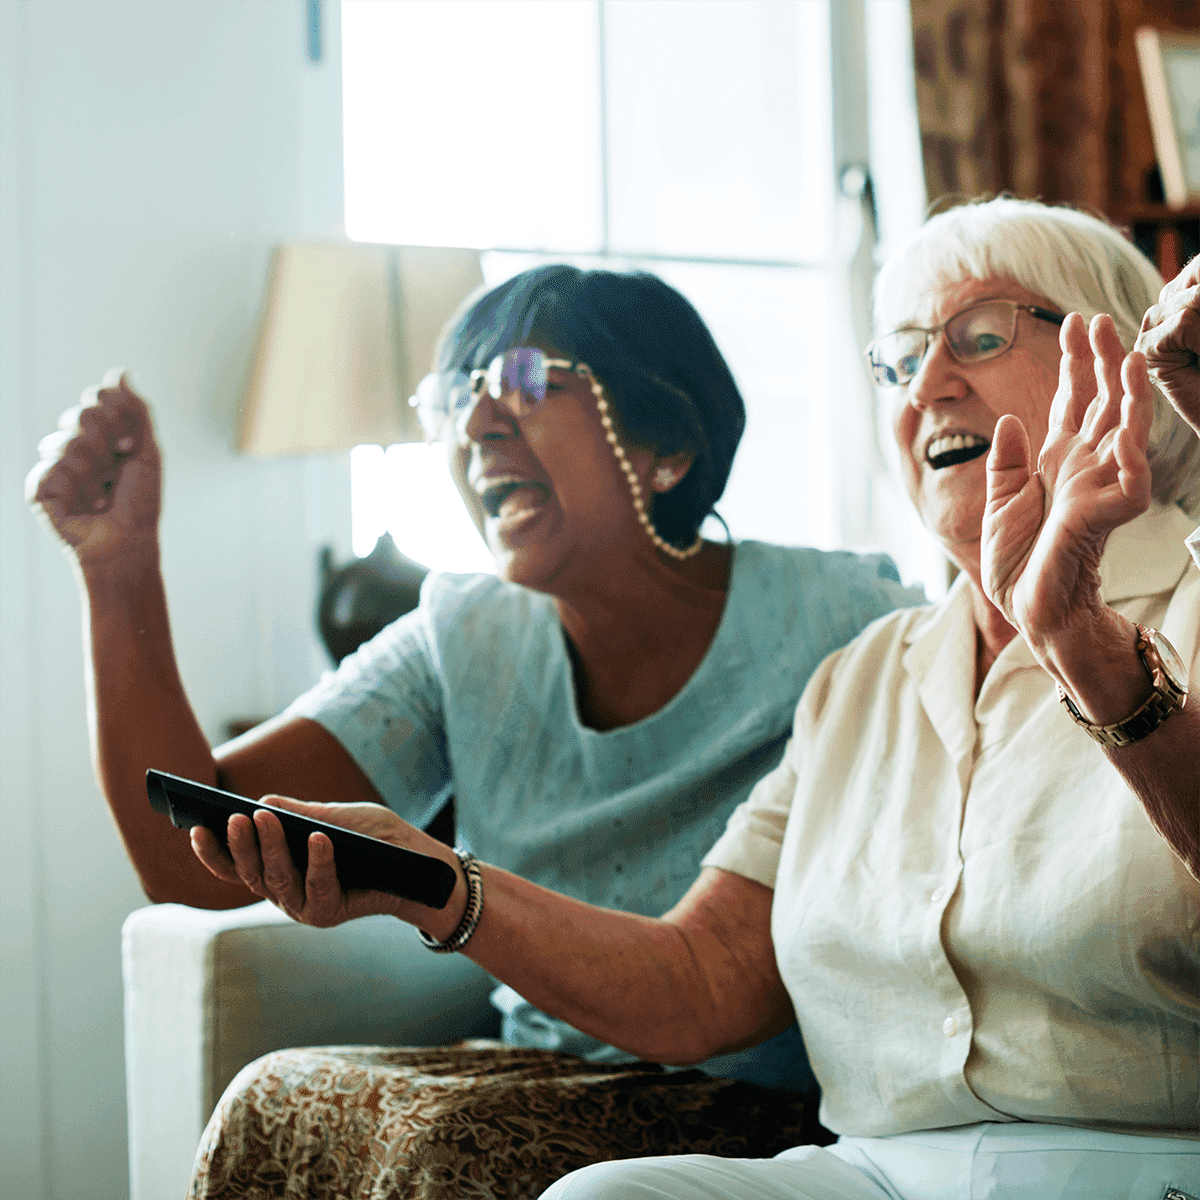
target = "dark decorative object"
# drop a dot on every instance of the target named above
(356, 601)
(359, 599)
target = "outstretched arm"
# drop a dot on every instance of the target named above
(700, 981)
(97, 487)
(1044, 532)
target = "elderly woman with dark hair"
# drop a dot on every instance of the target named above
(973, 877)
(596, 711)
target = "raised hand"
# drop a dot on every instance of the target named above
(259, 858)
(1170, 340)
(1044, 531)
(98, 482)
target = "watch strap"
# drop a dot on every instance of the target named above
(1166, 697)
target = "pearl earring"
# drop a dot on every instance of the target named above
(664, 477)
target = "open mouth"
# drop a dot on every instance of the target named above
(954, 449)
(512, 497)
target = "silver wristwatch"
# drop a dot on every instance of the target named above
(1169, 677)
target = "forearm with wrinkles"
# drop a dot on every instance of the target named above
(1163, 771)
(1099, 667)
(700, 981)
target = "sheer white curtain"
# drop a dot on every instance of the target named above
(696, 140)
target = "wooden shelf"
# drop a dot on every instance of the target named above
(1137, 214)
(1169, 236)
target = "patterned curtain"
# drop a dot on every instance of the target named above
(959, 93)
(1038, 97)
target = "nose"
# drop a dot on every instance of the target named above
(485, 420)
(938, 379)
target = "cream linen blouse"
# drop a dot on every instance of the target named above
(973, 916)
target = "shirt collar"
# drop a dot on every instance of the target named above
(940, 659)
(1145, 557)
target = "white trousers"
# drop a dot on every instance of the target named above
(1018, 1161)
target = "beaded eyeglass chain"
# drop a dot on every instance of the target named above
(635, 487)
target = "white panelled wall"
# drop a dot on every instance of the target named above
(150, 155)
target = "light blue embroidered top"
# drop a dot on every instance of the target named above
(472, 695)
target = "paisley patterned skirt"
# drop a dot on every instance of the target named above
(478, 1119)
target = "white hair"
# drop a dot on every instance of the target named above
(1078, 262)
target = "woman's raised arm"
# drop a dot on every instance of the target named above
(98, 487)
(1043, 534)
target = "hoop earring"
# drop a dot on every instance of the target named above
(635, 488)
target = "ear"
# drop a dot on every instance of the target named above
(667, 470)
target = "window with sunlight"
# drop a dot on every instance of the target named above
(692, 140)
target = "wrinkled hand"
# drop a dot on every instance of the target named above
(259, 858)
(1043, 533)
(1170, 340)
(98, 482)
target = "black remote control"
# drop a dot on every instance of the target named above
(361, 861)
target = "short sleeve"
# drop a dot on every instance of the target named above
(754, 833)
(384, 704)
(753, 837)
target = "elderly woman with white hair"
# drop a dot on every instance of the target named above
(973, 877)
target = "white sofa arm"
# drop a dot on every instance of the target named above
(207, 992)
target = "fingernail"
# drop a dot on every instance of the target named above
(125, 444)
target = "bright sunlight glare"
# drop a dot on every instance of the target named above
(408, 491)
(472, 123)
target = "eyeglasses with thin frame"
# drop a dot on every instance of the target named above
(519, 378)
(972, 335)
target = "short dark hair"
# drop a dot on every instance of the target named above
(669, 385)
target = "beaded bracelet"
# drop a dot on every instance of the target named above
(474, 910)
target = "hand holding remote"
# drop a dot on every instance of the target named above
(300, 855)
(258, 856)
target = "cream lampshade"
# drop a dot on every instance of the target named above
(347, 332)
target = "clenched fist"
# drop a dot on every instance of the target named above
(98, 483)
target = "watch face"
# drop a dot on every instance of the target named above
(1172, 665)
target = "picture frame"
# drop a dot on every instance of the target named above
(1170, 67)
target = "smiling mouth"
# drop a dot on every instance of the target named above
(512, 497)
(955, 449)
